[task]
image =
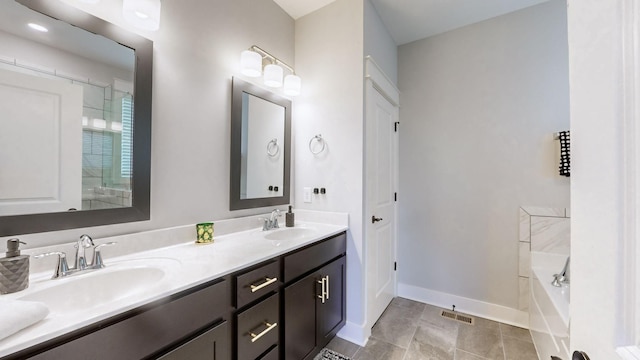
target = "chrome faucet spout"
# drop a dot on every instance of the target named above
(272, 221)
(563, 278)
(83, 243)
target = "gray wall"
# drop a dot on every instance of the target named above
(329, 59)
(196, 52)
(378, 42)
(479, 107)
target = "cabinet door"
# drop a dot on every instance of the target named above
(331, 313)
(212, 345)
(300, 317)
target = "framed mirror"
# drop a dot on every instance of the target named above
(75, 99)
(260, 147)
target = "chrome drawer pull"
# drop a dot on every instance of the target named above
(268, 282)
(270, 327)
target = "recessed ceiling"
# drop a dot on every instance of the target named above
(299, 8)
(410, 20)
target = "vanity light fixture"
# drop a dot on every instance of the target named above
(251, 65)
(99, 123)
(143, 14)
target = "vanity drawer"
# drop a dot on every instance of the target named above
(258, 328)
(258, 282)
(314, 256)
(272, 354)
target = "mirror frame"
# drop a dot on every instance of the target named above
(141, 172)
(235, 202)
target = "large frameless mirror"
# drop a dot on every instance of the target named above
(75, 99)
(260, 147)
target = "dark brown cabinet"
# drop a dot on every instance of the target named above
(212, 345)
(149, 331)
(246, 315)
(315, 305)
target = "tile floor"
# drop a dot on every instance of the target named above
(410, 330)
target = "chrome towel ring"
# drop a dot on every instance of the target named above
(318, 138)
(273, 148)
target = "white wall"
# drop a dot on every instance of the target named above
(378, 42)
(479, 107)
(602, 280)
(196, 52)
(330, 59)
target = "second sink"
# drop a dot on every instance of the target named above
(294, 233)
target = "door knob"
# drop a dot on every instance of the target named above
(374, 219)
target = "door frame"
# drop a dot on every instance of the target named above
(376, 80)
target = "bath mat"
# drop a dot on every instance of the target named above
(326, 354)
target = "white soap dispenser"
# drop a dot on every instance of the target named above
(14, 269)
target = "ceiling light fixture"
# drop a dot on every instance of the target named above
(143, 14)
(251, 65)
(38, 27)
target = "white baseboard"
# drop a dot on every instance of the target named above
(479, 308)
(357, 334)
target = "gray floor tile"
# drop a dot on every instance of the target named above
(343, 347)
(486, 323)
(379, 350)
(431, 314)
(406, 303)
(515, 349)
(398, 324)
(483, 341)
(432, 342)
(516, 332)
(463, 355)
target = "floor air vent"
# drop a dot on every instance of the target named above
(457, 317)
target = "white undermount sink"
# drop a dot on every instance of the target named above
(293, 233)
(97, 287)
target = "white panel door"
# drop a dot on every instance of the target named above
(381, 154)
(40, 143)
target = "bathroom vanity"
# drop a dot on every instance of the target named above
(244, 297)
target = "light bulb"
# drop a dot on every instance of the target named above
(273, 75)
(250, 63)
(292, 85)
(143, 14)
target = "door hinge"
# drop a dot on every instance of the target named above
(395, 196)
(395, 266)
(395, 126)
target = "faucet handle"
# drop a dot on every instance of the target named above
(62, 267)
(97, 262)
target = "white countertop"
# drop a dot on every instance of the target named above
(186, 264)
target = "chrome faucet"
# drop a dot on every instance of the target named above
(272, 221)
(80, 263)
(564, 276)
(83, 243)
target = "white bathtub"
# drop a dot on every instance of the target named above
(549, 307)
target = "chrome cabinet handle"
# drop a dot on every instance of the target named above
(270, 327)
(324, 281)
(268, 282)
(327, 287)
(322, 291)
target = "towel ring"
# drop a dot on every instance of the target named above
(318, 138)
(273, 148)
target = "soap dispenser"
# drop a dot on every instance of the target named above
(289, 218)
(14, 269)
